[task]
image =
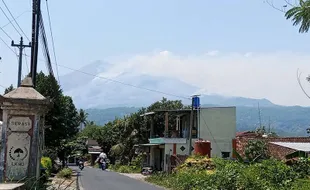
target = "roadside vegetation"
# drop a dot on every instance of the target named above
(201, 173)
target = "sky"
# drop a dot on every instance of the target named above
(235, 48)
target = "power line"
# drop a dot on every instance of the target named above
(45, 47)
(14, 18)
(6, 33)
(26, 62)
(9, 20)
(8, 46)
(125, 84)
(53, 44)
(15, 21)
(211, 133)
(2, 27)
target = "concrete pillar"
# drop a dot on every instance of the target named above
(22, 132)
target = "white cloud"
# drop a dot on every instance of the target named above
(257, 75)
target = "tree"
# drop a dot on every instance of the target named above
(9, 89)
(82, 117)
(300, 15)
(118, 137)
(90, 131)
(62, 117)
(256, 149)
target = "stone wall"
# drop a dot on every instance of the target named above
(275, 151)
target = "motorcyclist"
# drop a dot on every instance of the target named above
(102, 160)
(81, 163)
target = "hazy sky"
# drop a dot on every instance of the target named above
(236, 47)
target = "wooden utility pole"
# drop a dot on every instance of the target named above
(20, 46)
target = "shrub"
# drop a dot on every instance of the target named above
(256, 149)
(47, 164)
(128, 169)
(231, 175)
(302, 167)
(88, 157)
(65, 173)
(197, 163)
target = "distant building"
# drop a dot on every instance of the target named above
(215, 124)
(281, 148)
(93, 149)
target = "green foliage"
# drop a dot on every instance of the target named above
(231, 175)
(90, 131)
(118, 137)
(126, 169)
(65, 173)
(62, 117)
(286, 120)
(301, 184)
(302, 167)
(47, 164)
(134, 167)
(9, 89)
(300, 15)
(255, 150)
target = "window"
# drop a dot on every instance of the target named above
(225, 154)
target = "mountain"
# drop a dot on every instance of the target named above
(100, 85)
(235, 101)
(108, 92)
(285, 121)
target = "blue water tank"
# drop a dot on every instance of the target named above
(196, 102)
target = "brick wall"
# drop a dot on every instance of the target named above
(276, 151)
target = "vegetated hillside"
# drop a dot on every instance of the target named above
(286, 121)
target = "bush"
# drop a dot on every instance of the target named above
(128, 169)
(198, 163)
(47, 164)
(65, 173)
(302, 167)
(230, 175)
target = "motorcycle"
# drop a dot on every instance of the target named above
(81, 165)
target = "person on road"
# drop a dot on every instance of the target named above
(102, 160)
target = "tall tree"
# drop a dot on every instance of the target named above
(300, 15)
(82, 117)
(62, 117)
(9, 89)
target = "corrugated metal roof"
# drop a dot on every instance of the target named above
(302, 146)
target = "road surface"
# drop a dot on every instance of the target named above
(96, 179)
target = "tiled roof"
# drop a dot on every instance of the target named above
(302, 146)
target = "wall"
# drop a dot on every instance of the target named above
(218, 125)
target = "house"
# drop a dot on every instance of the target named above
(281, 148)
(169, 143)
(93, 149)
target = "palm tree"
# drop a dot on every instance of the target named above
(82, 117)
(300, 15)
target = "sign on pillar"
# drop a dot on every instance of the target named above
(20, 151)
(19, 134)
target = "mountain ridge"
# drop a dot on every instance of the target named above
(284, 120)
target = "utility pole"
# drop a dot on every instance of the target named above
(36, 14)
(20, 46)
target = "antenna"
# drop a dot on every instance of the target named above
(269, 129)
(259, 115)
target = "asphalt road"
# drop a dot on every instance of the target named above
(96, 179)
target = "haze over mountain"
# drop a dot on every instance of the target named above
(133, 89)
(125, 92)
